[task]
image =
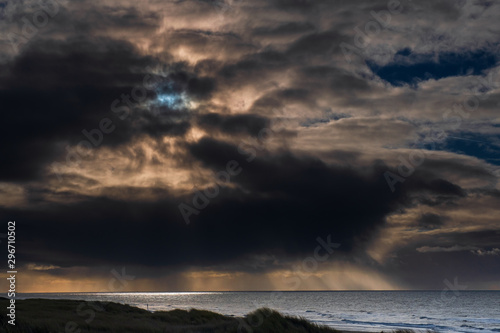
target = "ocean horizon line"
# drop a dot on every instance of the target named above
(252, 291)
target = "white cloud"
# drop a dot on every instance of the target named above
(454, 248)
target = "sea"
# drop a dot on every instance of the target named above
(367, 311)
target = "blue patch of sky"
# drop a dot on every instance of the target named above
(411, 68)
(485, 147)
(170, 96)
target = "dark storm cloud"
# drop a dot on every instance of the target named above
(284, 29)
(301, 6)
(117, 17)
(278, 98)
(234, 124)
(432, 270)
(281, 204)
(447, 256)
(268, 171)
(278, 54)
(450, 10)
(86, 18)
(255, 66)
(316, 44)
(259, 63)
(69, 19)
(205, 42)
(479, 239)
(429, 221)
(335, 78)
(454, 165)
(54, 90)
(201, 88)
(180, 80)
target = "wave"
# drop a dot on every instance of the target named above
(398, 325)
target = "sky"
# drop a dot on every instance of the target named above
(198, 145)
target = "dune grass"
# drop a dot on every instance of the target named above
(70, 316)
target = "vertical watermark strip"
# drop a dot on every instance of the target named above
(11, 271)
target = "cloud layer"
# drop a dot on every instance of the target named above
(265, 125)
